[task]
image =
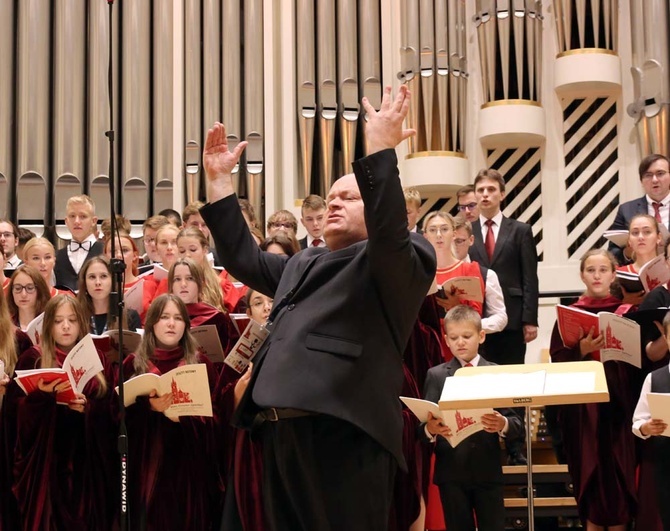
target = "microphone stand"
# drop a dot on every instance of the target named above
(116, 304)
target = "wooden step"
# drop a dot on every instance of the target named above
(537, 469)
(541, 502)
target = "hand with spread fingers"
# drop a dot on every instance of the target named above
(219, 161)
(384, 128)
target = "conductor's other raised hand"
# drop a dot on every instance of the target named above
(219, 162)
(384, 129)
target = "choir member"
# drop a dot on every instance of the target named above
(95, 286)
(13, 342)
(174, 478)
(598, 442)
(29, 294)
(193, 244)
(40, 253)
(187, 280)
(54, 455)
(644, 240)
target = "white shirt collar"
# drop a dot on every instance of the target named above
(497, 219)
(663, 201)
(474, 361)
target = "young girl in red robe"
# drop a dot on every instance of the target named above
(598, 441)
(174, 480)
(55, 457)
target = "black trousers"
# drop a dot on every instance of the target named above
(459, 500)
(325, 474)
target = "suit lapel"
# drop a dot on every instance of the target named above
(478, 251)
(503, 235)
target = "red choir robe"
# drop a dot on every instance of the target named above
(53, 460)
(9, 511)
(232, 295)
(201, 313)
(174, 480)
(599, 444)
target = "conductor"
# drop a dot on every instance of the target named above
(327, 379)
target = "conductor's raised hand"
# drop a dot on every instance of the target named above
(384, 129)
(219, 162)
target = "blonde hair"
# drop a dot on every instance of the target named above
(437, 214)
(412, 196)
(8, 352)
(47, 341)
(82, 199)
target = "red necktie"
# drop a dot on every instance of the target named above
(657, 211)
(490, 243)
(316, 242)
(468, 364)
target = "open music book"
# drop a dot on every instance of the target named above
(188, 384)
(462, 423)
(81, 364)
(622, 335)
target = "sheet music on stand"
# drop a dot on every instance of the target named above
(527, 385)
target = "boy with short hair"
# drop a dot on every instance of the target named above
(413, 204)
(468, 476)
(81, 221)
(313, 218)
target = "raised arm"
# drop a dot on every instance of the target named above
(219, 162)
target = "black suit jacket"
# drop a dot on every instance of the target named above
(477, 458)
(303, 243)
(515, 263)
(622, 220)
(342, 318)
(65, 273)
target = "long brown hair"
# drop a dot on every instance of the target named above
(196, 272)
(7, 336)
(47, 341)
(210, 291)
(146, 349)
(85, 299)
(41, 287)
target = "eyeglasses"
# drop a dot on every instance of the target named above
(434, 230)
(18, 288)
(6, 235)
(282, 225)
(469, 206)
(149, 241)
(650, 175)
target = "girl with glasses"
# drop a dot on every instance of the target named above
(13, 342)
(28, 295)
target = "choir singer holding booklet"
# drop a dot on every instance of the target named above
(327, 380)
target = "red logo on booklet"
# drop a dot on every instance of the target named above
(611, 341)
(463, 422)
(179, 396)
(652, 282)
(77, 374)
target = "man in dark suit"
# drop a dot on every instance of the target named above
(469, 475)
(507, 246)
(313, 218)
(81, 221)
(654, 174)
(327, 379)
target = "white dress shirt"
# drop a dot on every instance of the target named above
(664, 210)
(642, 413)
(78, 257)
(497, 220)
(310, 239)
(495, 312)
(13, 262)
